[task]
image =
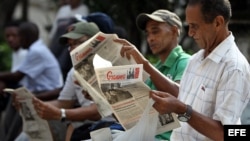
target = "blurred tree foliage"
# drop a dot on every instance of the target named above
(5, 57)
(7, 8)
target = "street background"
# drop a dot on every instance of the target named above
(124, 13)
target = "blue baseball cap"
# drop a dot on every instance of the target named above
(102, 20)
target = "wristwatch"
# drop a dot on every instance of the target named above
(63, 115)
(186, 116)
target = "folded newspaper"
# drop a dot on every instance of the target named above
(35, 127)
(115, 83)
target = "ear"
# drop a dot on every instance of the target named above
(219, 21)
(175, 30)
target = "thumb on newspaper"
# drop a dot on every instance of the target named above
(162, 101)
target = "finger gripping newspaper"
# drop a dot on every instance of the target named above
(116, 84)
(35, 127)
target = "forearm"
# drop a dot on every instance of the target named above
(161, 82)
(50, 95)
(2, 86)
(83, 113)
(10, 77)
(210, 128)
(207, 126)
(66, 104)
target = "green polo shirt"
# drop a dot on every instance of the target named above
(173, 67)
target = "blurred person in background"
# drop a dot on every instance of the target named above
(11, 117)
(64, 18)
(104, 23)
(66, 12)
(80, 114)
(40, 68)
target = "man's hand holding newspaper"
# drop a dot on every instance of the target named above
(35, 127)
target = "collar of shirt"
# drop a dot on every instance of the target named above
(170, 60)
(217, 54)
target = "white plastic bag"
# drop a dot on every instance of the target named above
(144, 130)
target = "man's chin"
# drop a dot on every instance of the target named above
(153, 50)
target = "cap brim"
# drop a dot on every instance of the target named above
(64, 38)
(143, 18)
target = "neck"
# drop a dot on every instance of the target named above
(165, 53)
(221, 36)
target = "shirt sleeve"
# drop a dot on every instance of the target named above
(32, 65)
(69, 88)
(233, 95)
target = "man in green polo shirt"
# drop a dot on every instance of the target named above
(163, 29)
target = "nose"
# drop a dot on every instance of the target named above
(149, 38)
(9, 38)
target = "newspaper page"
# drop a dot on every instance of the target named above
(134, 91)
(35, 127)
(124, 89)
(82, 60)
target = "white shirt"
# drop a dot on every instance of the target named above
(72, 91)
(18, 57)
(41, 69)
(217, 87)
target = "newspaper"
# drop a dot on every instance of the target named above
(82, 58)
(124, 89)
(120, 88)
(35, 127)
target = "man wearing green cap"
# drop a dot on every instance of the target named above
(162, 28)
(71, 95)
(79, 32)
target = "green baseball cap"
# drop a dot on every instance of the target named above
(79, 29)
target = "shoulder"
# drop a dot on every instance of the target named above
(38, 49)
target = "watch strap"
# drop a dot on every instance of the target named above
(63, 115)
(187, 115)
